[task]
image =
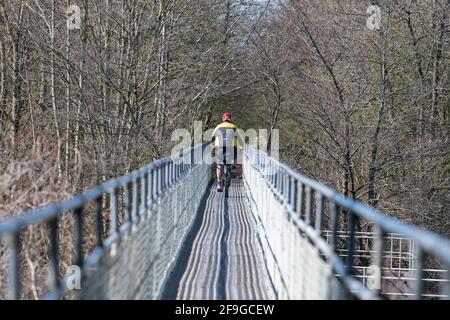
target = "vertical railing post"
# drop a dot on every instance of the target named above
(144, 193)
(167, 176)
(308, 213)
(274, 177)
(351, 242)
(135, 200)
(114, 211)
(79, 236)
(160, 178)
(300, 193)
(334, 211)
(54, 254)
(319, 212)
(149, 189)
(280, 183)
(288, 189)
(418, 288)
(163, 178)
(13, 267)
(155, 183)
(174, 172)
(294, 186)
(99, 221)
(128, 201)
(377, 259)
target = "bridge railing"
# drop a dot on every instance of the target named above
(151, 208)
(312, 240)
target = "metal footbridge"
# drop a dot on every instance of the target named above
(163, 232)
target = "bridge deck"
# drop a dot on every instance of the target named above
(226, 260)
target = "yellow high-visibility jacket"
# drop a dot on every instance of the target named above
(225, 135)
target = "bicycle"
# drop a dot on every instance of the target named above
(226, 178)
(227, 172)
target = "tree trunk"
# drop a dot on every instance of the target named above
(17, 101)
(68, 92)
(52, 87)
(374, 145)
(436, 71)
(2, 87)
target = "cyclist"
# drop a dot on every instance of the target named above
(225, 142)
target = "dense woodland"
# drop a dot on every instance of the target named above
(364, 111)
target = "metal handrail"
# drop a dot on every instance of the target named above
(290, 187)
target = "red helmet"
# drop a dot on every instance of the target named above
(227, 117)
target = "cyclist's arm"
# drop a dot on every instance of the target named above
(213, 138)
(213, 142)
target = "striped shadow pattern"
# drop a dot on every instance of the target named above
(226, 260)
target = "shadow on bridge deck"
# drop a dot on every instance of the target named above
(222, 258)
